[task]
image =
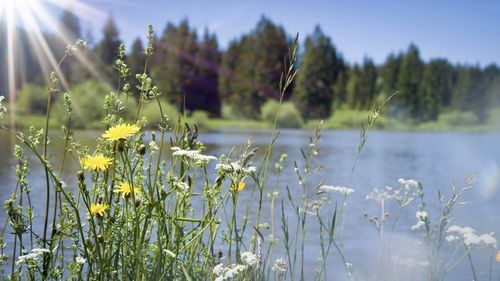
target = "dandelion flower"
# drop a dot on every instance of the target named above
(497, 257)
(96, 163)
(125, 189)
(121, 131)
(98, 209)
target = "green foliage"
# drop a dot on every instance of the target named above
(319, 69)
(87, 113)
(409, 77)
(288, 115)
(345, 118)
(435, 87)
(251, 66)
(107, 50)
(32, 99)
(151, 113)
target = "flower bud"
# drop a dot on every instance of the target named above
(81, 176)
(141, 149)
(120, 146)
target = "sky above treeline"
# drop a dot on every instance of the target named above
(462, 31)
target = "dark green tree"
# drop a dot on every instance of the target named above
(470, 92)
(107, 48)
(136, 61)
(410, 73)
(252, 67)
(435, 89)
(207, 61)
(176, 52)
(319, 69)
(389, 73)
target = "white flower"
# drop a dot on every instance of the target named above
(181, 185)
(340, 189)
(380, 195)
(231, 272)
(219, 269)
(80, 260)
(470, 238)
(250, 259)
(280, 266)
(40, 251)
(421, 215)
(418, 226)
(34, 256)
(195, 155)
(153, 146)
(408, 183)
(235, 167)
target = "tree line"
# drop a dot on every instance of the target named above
(193, 73)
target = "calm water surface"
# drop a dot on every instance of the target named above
(438, 160)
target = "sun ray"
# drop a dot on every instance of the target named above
(11, 70)
(47, 20)
(28, 18)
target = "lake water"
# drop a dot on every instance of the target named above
(437, 160)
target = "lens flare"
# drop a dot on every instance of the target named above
(490, 179)
(34, 18)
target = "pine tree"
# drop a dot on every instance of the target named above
(107, 49)
(409, 76)
(136, 60)
(353, 88)
(206, 79)
(315, 82)
(367, 84)
(177, 49)
(389, 74)
(253, 79)
(435, 87)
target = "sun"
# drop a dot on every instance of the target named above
(35, 17)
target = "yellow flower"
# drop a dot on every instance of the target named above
(240, 186)
(97, 162)
(497, 258)
(121, 131)
(98, 209)
(125, 189)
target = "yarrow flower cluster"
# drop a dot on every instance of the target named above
(235, 167)
(280, 266)
(380, 194)
(421, 219)
(34, 256)
(408, 183)
(97, 162)
(194, 155)
(339, 189)
(248, 259)
(470, 238)
(121, 132)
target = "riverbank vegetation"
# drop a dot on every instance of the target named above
(152, 205)
(236, 86)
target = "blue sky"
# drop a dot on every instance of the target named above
(462, 31)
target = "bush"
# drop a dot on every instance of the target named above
(351, 119)
(288, 115)
(151, 112)
(200, 118)
(32, 99)
(458, 119)
(88, 111)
